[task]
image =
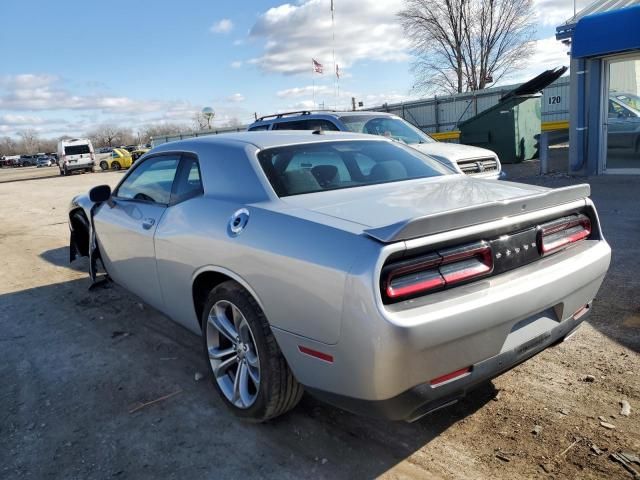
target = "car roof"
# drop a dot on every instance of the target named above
(269, 139)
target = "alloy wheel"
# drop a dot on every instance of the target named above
(233, 354)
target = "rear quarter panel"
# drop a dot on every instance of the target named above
(295, 267)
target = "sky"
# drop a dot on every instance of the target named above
(69, 65)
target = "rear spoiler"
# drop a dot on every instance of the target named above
(476, 214)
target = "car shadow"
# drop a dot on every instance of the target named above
(60, 257)
(79, 361)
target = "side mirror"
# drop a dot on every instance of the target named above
(100, 194)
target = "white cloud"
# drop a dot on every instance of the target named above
(27, 81)
(222, 26)
(293, 34)
(22, 95)
(17, 120)
(236, 97)
(304, 91)
(548, 53)
(236, 64)
(552, 13)
(45, 92)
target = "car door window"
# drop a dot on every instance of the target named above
(188, 183)
(151, 181)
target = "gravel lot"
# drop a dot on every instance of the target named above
(75, 363)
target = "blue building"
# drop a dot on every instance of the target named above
(604, 104)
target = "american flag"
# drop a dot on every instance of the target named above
(317, 66)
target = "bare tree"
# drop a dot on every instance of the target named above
(29, 139)
(8, 146)
(106, 135)
(463, 45)
(48, 145)
(162, 129)
(200, 122)
(233, 122)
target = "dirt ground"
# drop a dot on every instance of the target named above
(75, 363)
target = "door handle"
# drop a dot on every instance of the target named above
(147, 223)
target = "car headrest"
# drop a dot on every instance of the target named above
(388, 171)
(325, 174)
(299, 181)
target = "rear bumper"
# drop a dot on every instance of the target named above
(424, 399)
(387, 354)
(79, 166)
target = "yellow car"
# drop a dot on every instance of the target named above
(120, 158)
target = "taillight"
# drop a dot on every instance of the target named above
(553, 236)
(436, 271)
(413, 277)
(460, 264)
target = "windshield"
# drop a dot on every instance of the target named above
(629, 99)
(392, 127)
(77, 149)
(298, 169)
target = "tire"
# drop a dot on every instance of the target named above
(104, 165)
(115, 165)
(277, 391)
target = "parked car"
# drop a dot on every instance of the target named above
(11, 161)
(463, 158)
(105, 150)
(75, 155)
(129, 148)
(120, 158)
(136, 154)
(45, 162)
(27, 160)
(351, 266)
(623, 122)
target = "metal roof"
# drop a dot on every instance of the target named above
(607, 33)
(565, 31)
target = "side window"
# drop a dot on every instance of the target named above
(311, 124)
(258, 128)
(151, 181)
(188, 183)
(300, 125)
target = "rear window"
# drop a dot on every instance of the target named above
(76, 149)
(298, 169)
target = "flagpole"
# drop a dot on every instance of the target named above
(333, 52)
(313, 80)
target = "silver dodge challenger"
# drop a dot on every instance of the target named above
(350, 266)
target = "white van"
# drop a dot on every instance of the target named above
(75, 154)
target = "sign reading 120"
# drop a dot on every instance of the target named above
(554, 99)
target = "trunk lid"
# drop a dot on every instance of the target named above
(404, 210)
